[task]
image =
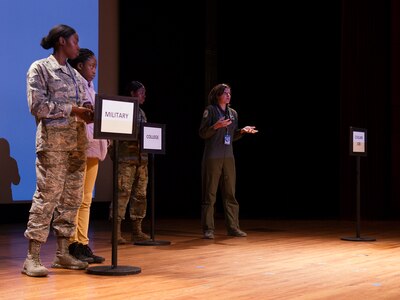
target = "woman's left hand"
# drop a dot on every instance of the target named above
(249, 129)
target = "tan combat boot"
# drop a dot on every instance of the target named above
(64, 260)
(137, 233)
(120, 239)
(32, 265)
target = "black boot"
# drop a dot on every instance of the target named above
(77, 250)
(88, 252)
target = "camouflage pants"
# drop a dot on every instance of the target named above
(132, 190)
(58, 195)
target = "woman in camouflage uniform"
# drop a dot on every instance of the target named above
(55, 97)
(133, 175)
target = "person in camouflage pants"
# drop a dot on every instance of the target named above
(132, 175)
(55, 97)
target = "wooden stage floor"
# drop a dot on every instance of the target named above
(280, 259)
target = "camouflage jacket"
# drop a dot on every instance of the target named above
(52, 90)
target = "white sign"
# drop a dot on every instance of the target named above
(358, 141)
(152, 138)
(117, 116)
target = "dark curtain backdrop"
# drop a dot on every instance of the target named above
(284, 75)
(394, 206)
(164, 48)
(365, 101)
(303, 73)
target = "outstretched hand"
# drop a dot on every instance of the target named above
(249, 129)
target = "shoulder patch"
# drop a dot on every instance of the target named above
(205, 113)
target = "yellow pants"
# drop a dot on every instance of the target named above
(82, 218)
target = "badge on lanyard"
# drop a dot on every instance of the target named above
(227, 139)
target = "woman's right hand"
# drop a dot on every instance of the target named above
(84, 113)
(222, 122)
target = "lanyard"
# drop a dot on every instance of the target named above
(221, 113)
(225, 114)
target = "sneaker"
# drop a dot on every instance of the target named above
(89, 252)
(237, 232)
(77, 250)
(208, 234)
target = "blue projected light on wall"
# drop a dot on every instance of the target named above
(23, 24)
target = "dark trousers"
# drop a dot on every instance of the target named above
(219, 173)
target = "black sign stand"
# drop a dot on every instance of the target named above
(160, 149)
(358, 147)
(105, 108)
(114, 269)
